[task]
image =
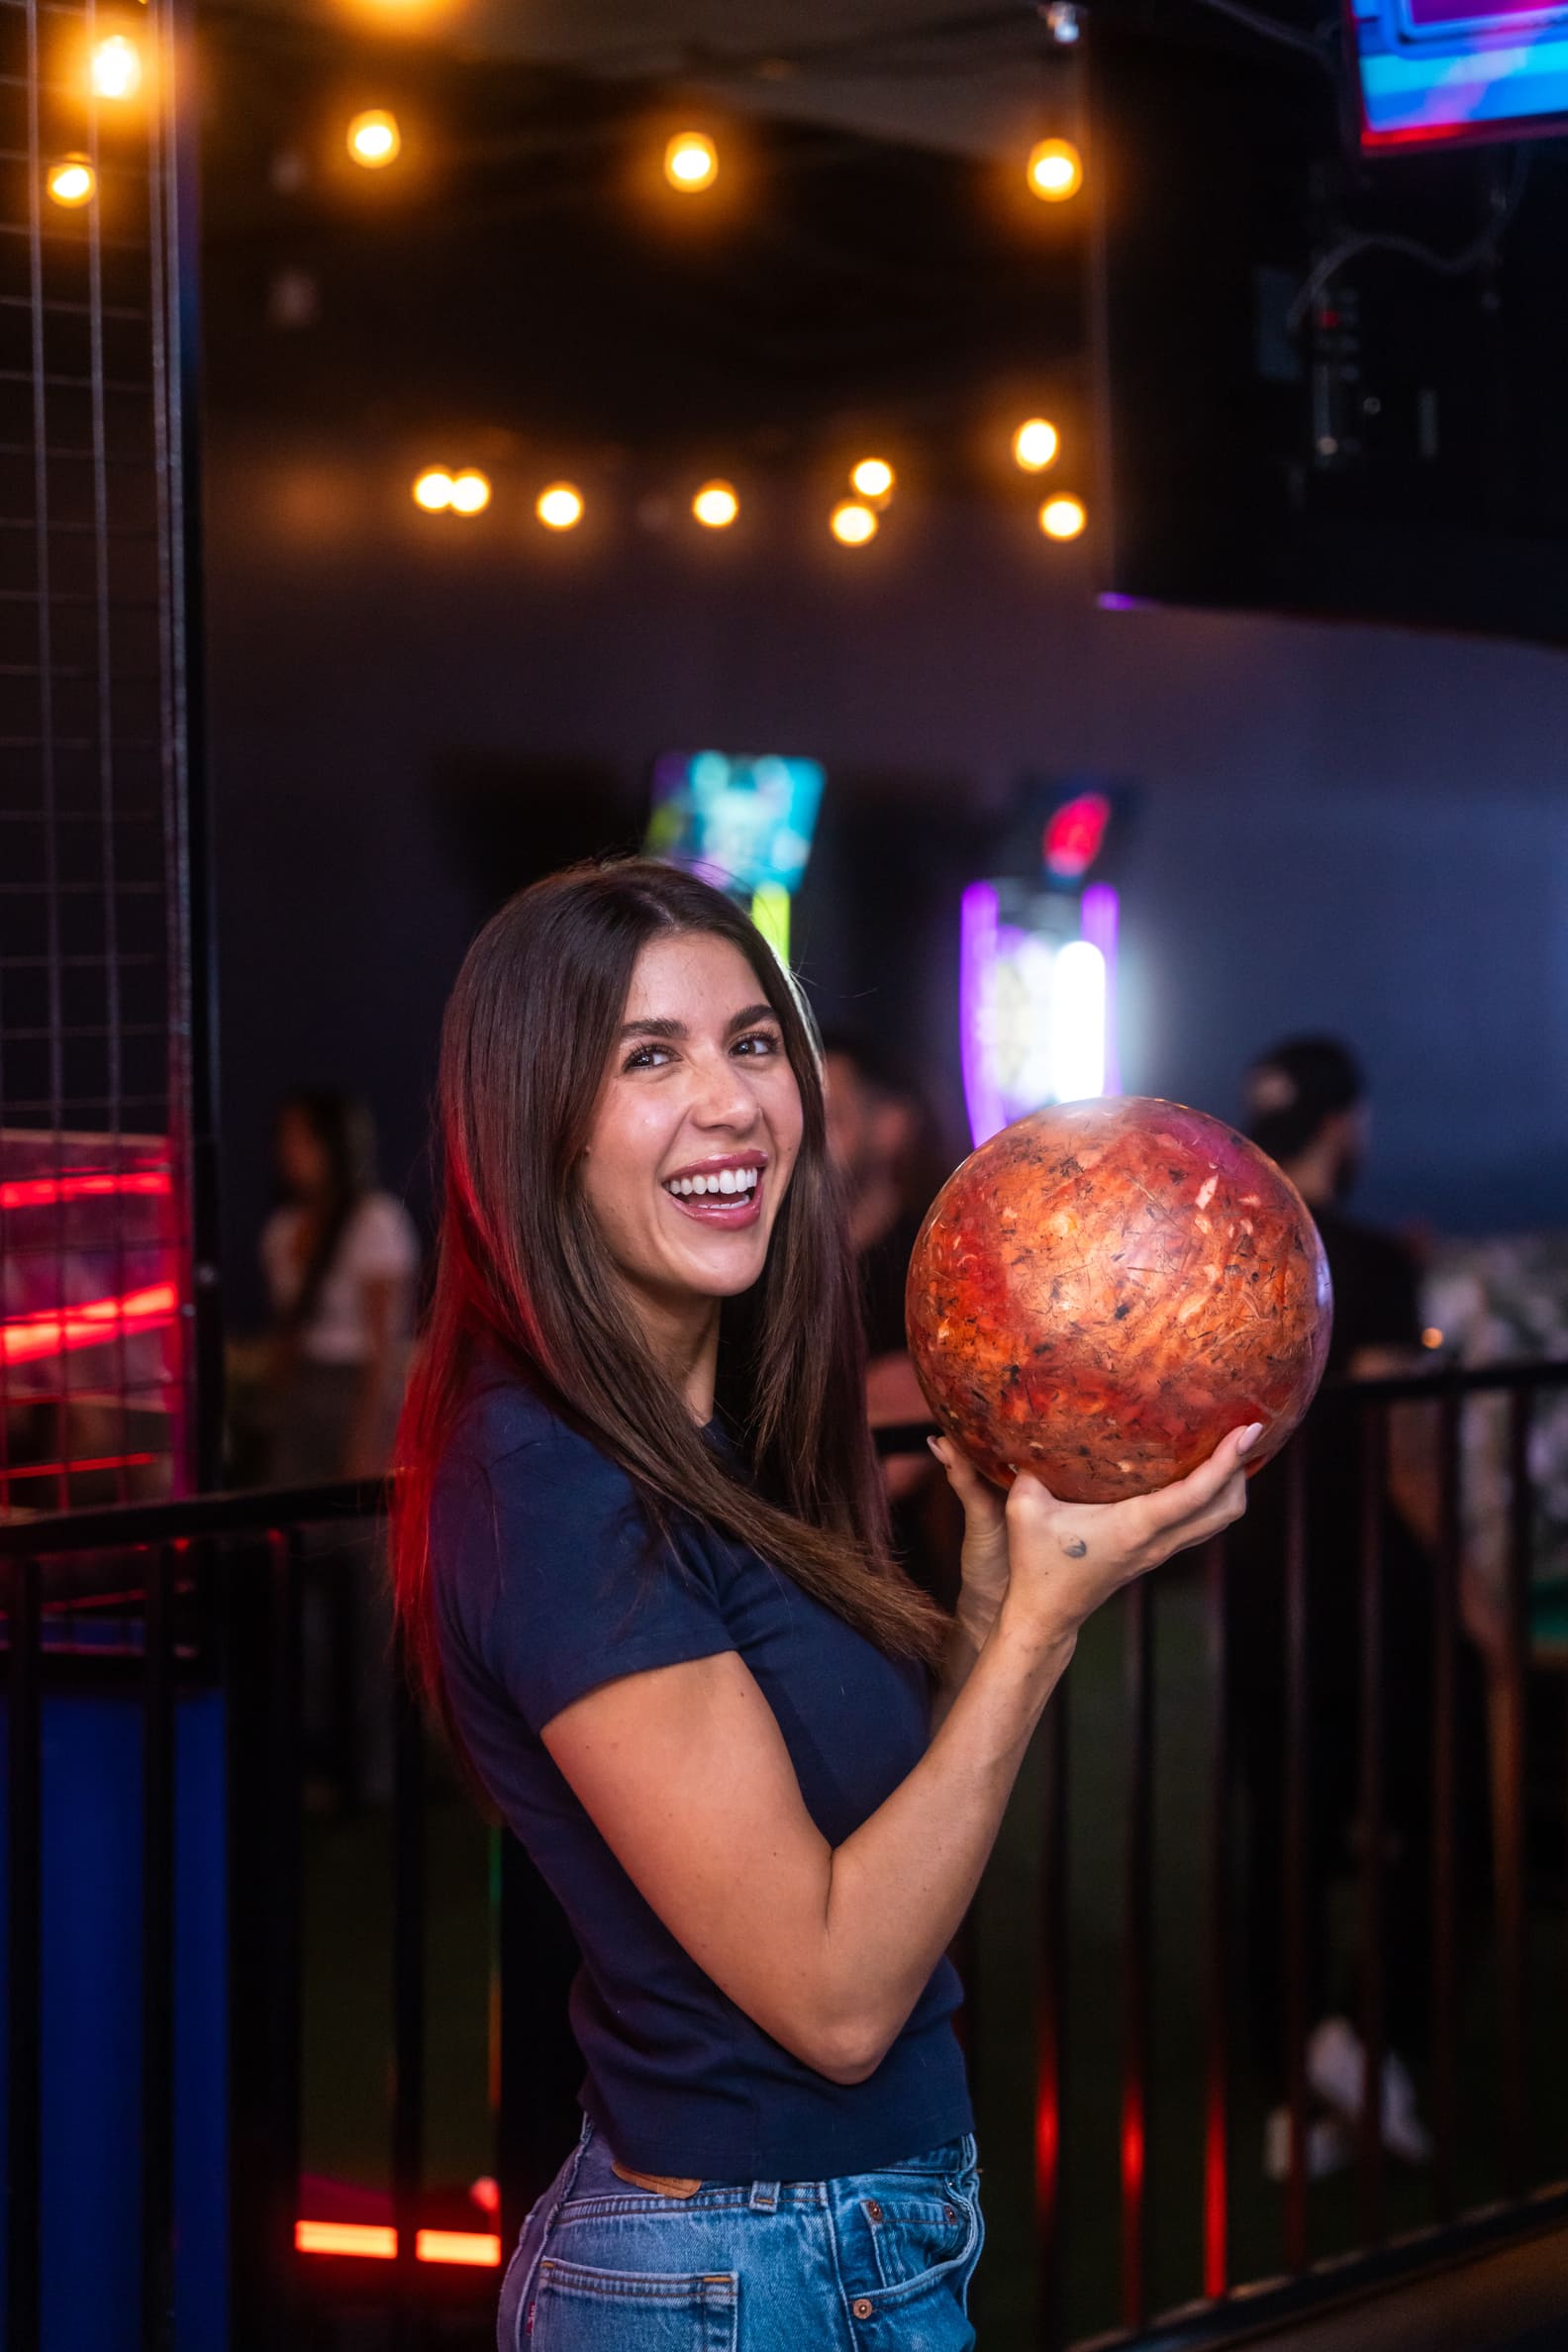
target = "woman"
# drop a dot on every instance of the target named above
(642, 1566)
(341, 1258)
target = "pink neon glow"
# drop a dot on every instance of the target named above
(101, 1320)
(977, 949)
(1099, 919)
(43, 1191)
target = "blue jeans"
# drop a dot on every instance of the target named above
(870, 2262)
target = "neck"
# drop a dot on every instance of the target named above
(874, 1210)
(684, 1340)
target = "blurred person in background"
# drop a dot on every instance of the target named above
(1307, 1106)
(340, 1257)
(881, 1139)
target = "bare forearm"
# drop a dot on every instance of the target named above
(899, 1887)
(972, 1622)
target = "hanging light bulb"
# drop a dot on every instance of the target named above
(691, 162)
(560, 507)
(116, 71)
(1056, 171)
(433, 490)
(852, 523)
(873, 477)
(471, 492)
(374, 139)
(715, 506)
(1064, 518)
(71, 181)
(1036, 444)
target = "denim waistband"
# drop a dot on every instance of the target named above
(593, 2176)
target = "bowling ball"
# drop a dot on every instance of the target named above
(1106, 1287)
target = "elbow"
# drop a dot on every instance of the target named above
(849, 2053)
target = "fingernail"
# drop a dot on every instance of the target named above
(936, 1445)
(1249, 1437)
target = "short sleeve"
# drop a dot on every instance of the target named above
(382, 1241)
(548, 1575)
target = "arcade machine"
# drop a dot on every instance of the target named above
(743, 823)
(1037, 961)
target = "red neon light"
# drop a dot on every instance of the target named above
(374, 2241)
(137, 1461)
(1075, 835)
(43, 1191)
(101, 1320)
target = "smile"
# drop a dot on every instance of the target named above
(727, 1196)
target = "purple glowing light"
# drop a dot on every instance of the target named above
(977, 953)
(1099, 919)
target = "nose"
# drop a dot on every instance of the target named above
(724, 1096)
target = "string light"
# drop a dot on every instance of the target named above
(1056, 171)
(116, 67)
(471, 492)
(1064, 518)
(433, 490)
(560, 507)
(852, 523)
(715, 506)
(873, 477)
(374, 139)
(71, 181)
(691, 162)
(1036, 444)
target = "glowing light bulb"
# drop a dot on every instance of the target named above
(471, 492)
(71, 181)
(116, 67)
(374, 138)
(433, 490)
(691, 162)
(873, 477)
(1064, 518)
(715, 506)
(1056, 171)
(852, 523)
(1036, 444)
(560, 507)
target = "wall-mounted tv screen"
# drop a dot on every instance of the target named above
(745, 823)
(1458, 69)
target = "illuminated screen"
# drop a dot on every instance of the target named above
(743, 823)
(1033, 998)
(1436, 69)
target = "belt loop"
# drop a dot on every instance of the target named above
(764, 2196)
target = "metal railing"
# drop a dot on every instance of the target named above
(151, 1605)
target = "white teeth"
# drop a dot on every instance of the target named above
(727, 1180)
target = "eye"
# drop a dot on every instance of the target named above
(642, 1058)
(764, 1041)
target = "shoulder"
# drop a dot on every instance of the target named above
(511, 1445)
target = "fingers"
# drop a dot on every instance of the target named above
(974, 1491)
(1193, 1495)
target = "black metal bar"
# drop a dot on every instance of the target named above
(1445, 1889)
(1216, 1997)
(157, 1955)
(1512, 1973)
(1050, 2040)
(1294, 1922)
(408, 1981)
(1374, 1477)
(24, 1992)
(245, 1511)
(1138, 1953)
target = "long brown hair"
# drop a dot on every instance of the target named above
(525, 1043)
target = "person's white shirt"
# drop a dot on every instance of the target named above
(379, 1241)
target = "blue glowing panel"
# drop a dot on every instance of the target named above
(743, 823)
(1459, 69)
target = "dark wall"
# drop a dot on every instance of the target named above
(1364, 830)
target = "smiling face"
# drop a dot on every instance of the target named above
(696, 1129)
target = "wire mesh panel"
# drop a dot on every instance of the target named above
(96, 1246)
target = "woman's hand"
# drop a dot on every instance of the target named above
(1053, 1564)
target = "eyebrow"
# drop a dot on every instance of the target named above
(676, 1031)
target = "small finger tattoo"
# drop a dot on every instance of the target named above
(1076, 1550)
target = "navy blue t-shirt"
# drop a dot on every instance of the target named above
(546, 1588)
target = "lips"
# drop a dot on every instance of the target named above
(729, 1212)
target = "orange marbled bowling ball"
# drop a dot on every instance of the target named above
(1106, 1287)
